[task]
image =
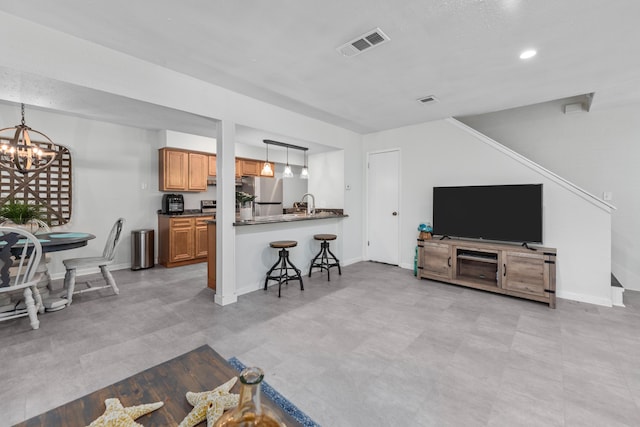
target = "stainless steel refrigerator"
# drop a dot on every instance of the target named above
(268, 192)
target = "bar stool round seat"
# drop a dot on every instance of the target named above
(325, 236)
(325, 259)
(283, 270)
(283, 244)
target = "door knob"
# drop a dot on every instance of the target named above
(395, 214)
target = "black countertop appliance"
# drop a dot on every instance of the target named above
(172, 203)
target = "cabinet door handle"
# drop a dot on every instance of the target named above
(504, 270)
(449, 261)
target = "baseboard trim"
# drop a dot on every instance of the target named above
(350, 261)
(617, 297)
(225, 300)
(606, 302)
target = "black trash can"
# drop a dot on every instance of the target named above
(142, 249)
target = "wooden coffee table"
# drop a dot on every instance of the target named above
(199, 370)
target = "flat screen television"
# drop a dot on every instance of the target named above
(511, 213)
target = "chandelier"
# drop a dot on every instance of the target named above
(18, 152)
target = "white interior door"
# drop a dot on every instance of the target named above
(382, 206)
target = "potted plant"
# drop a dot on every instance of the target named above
(23, 215)
(245, 202)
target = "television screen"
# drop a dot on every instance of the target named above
(510, 213)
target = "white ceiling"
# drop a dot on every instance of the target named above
(465, 52)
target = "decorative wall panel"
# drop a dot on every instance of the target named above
(49, 188)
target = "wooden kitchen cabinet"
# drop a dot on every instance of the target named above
(181, 236)
(198, 171)
(251, 167)
(213, 167)
(182, 170)
(173, 168)
(182, 240)
(211, 255)
(496, 267)
(201, 237)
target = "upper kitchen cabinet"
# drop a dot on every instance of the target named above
(198, 171)
(252, 167)
(182, 170)
(212, 165)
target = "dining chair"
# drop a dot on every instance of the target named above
(20, 253)
(102, 262)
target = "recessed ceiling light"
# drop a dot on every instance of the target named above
(528, 54)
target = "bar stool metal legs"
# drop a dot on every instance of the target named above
(280, 271)
(325, 259)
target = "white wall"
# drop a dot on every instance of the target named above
(326, 179)
(598, 150)
(442, 153)
(110, 166)
(86, 64)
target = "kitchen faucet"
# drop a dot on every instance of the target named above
(311, 209)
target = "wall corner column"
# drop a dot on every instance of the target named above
(225, 215)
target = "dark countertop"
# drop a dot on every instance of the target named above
(187, 213)
(289, 218)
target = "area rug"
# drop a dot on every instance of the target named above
(279, 399)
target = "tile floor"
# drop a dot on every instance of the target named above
(374, 347)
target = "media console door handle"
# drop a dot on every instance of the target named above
(449, 261)
(504, 270)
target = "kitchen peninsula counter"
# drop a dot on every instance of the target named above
(289, 218)
(254, 257)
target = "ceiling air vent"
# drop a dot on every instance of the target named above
(364, 42)
(428, 99)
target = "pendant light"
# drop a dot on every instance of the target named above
(304, 174)
(266, 168)
(287, 169)
(18, 152)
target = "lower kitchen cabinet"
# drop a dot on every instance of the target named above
(182, 240)
(211, 263)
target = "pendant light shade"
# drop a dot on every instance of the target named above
(266, 168)
(288, 173)
(304, 174)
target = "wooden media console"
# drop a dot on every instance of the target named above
(496, 267)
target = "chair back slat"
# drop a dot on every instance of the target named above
(113, 240)
(20, 253)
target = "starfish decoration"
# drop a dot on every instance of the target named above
(116, 415)
(210, 404)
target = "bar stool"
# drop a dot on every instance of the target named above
(327, 258)
(283, 265)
